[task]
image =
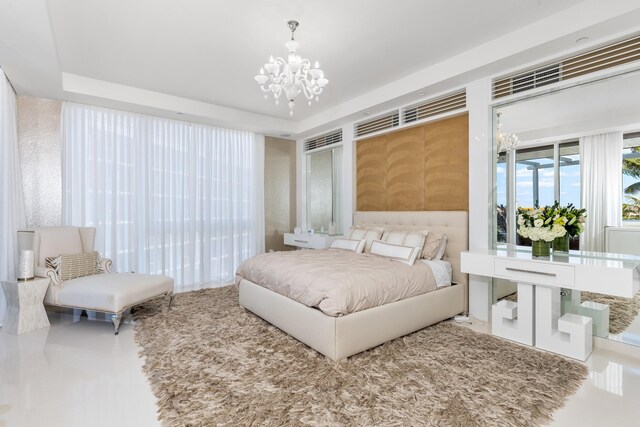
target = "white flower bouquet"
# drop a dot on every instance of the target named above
(540, 223)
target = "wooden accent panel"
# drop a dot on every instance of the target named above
(405, 170)
(421, 168)
(371, 174)
(446, 159)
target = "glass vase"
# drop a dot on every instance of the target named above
(561, 244)
(540, 248)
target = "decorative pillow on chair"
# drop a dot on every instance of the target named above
(72, 266)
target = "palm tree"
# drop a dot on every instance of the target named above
(631, 210)
(631, 167)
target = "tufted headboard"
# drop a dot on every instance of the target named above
(454, 224)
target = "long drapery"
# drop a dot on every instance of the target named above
(601, 162)
(166, 196)
(12, 213)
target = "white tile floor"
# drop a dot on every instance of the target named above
(79, 374)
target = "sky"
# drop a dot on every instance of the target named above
(569, 184)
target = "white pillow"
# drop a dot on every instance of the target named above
(405, 254)
(356, 246)
(368, 233)
(405, 238)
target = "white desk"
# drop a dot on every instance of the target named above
(536, 318)
(309, 241)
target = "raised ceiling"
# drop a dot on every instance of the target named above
(209, 51)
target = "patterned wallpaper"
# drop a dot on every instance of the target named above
(39, 144)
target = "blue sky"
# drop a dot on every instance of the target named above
(569, 185)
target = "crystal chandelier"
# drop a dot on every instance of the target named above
(506, 141)
(295, 77)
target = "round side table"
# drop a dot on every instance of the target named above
(25, 308)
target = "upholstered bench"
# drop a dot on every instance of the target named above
(103, 291)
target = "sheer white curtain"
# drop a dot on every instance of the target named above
(12, 213)
(166, 197)
(601, 181)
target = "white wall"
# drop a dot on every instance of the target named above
(480, 188)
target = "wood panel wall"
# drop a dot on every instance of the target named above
(423, 168)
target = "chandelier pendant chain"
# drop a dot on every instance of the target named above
(291, 77)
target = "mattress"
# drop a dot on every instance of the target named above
(338, 282)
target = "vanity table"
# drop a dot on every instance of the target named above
(535, 319)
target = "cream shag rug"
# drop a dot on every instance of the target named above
(211, 363)
(622, 311)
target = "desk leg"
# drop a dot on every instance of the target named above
(514, 320)
(570, 335)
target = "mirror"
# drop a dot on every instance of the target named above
(546, 165)
(324, 191)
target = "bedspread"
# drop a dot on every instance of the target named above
(335, 281)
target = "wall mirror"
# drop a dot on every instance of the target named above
(548, 164)
(324, 190)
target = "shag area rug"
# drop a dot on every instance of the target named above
(622, 311)
(212, 363)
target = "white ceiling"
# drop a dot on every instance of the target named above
(202, 54)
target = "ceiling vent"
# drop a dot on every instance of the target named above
(609, 56)
(434, 107)
(330, 138)
(387, 121)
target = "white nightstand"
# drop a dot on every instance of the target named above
(25, 312)
(309, 241)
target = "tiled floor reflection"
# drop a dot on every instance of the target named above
(80, 374)
(73, 374)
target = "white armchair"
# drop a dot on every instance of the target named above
(109, 292)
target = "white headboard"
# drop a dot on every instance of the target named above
(454, 224)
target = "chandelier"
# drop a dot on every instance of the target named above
(506, 141)
(293, 76)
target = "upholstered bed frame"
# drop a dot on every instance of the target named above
(340, 337)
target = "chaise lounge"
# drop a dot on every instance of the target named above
(76, 283)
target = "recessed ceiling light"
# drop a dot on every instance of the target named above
(285, 135)
(367, 113)
(582, 39)
(420, 93)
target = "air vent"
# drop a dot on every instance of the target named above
(599, 59)
(330, 138)
(387, 121)
(444, 104)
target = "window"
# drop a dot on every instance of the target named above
(534, 176)
(569, 166)
(631, 177)
(501, 198)
(542, 175)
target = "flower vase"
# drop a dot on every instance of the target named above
(540, 248)
(561, 244)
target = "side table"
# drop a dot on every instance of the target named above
(25, 308)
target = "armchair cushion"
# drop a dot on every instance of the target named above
(69, 266)
(111, 292)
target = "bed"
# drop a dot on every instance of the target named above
(340, 337)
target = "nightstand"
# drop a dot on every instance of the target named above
(309, 241)
(26, 311)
